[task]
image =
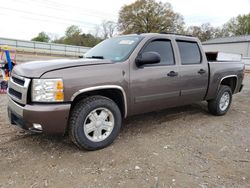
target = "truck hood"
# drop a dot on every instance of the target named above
(36, 69)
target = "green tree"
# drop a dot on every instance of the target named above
(145, 16)
(89, 40)
(73, 30)
(42, 37)
(74, 36)
(238, 26)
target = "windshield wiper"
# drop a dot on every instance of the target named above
(96, 57)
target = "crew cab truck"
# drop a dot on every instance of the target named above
(120, 77)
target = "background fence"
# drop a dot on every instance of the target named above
(44, 48)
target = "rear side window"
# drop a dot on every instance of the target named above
(189, 52)
(164, 48)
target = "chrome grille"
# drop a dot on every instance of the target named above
(18, 81)
(18, 88)
(15, 93)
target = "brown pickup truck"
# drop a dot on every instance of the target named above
(119, 77)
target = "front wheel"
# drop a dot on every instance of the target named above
(95, 123)
(221, 104)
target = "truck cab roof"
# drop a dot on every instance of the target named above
(170, 35)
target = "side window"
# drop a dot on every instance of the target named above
(164, 48)
(189, 52)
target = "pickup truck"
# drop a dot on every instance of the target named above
(120, 77)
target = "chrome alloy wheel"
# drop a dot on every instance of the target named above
(99, 124)
(224, 101)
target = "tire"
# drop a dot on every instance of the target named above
(214, 106)
(88, 127)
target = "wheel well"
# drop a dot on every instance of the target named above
(231, 82)
(114, 94)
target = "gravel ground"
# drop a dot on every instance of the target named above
(180, 147)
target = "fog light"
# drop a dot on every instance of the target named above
(37, 126)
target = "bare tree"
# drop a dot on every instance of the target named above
(107, 29)
(206, 31)
(96, 31)
(53, 36)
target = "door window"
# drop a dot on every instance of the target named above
(189, 52)
(164, 48)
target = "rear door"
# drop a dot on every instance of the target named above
(193, 71)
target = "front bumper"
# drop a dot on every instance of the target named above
(53, 118)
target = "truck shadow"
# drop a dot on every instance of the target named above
(166, 115)
(130, 125)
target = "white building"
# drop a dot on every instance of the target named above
(238, 45)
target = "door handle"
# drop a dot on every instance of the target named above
(201, 71)
(172, 74)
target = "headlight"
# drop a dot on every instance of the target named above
(47, 90)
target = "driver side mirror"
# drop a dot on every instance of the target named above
(147, 58)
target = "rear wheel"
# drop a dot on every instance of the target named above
(221, 104)
(95, 123)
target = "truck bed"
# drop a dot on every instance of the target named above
(221, 69)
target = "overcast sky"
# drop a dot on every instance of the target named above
(24, 19)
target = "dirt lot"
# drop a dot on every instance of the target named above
(181, 147)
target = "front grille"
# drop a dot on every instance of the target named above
(18, 89)
(18, 81)
(15, 93)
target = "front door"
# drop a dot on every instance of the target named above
(155, 86)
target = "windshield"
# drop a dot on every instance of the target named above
(116, 49)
